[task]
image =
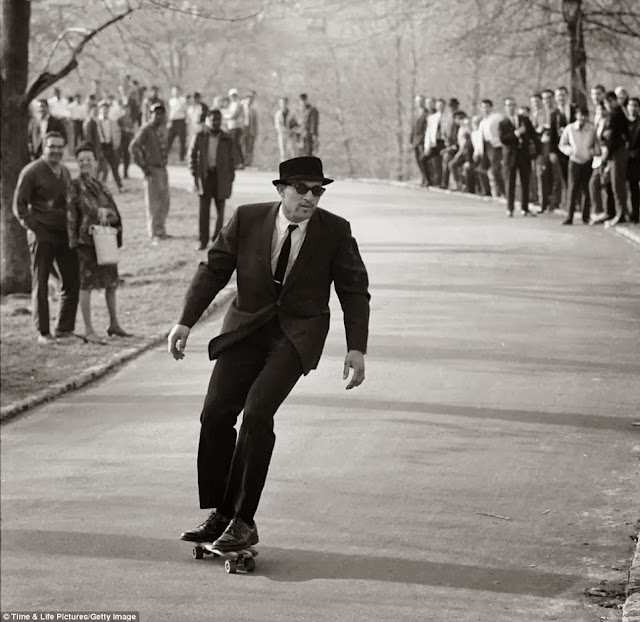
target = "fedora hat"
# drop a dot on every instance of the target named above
(306, 168)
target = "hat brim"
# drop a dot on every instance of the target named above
(325, 180)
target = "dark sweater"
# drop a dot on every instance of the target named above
(40, 202)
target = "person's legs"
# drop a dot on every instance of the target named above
(235, 371)
(573, 173)
(182, 137)
(557, 181)
(67, 262)
(510, 179)
(220, 203)
(583, 193)
(126, 156)
(110, 299)
(204, 217)
(171, 135)
(634, 190)
(250, 463)
(41, 263)
(618, 170)
(524, 170)
(447, 155)
(112, 159)
(85, 311)
(282, 146)
(595, 192)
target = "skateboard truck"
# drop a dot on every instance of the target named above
(243, 559)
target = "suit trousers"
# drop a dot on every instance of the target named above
(236, 138)
(109, 160)
(432, 162)
(633, 177)
(157, 200)
(254, 375)
(579, 176)
(494, 170)
(618, 170)
(44, 254)
(209, 192)
(178, 127)
(520, 165)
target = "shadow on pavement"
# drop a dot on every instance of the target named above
(296, 565)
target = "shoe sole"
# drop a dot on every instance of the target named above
(245, 545)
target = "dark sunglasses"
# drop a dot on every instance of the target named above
(316, 191)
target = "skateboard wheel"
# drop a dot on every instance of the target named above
(249, 564)
(198, 552)
(230, 566)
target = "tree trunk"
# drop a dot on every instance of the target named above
(578, 54)
(399, 112)
(14, 66)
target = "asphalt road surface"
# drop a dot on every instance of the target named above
(487, 469)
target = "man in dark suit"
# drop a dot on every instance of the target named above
(519, 139)
(40, 125)
(212, 166)
(286, 255)
(633, 165)
(418, 131)
(615, 154)
(564, 113)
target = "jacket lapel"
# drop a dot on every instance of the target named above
(267, 240)
(306, 251)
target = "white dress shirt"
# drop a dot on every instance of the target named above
(177, 108)
(490, 129)
(280, 233)
(578, 142)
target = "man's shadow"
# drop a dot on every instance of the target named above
(298, 565)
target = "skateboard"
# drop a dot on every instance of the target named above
(234, 560)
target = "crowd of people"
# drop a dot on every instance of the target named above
(562, 157)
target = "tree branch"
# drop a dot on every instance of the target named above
(47, 79)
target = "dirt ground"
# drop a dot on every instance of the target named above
(154, 280)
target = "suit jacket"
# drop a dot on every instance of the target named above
(616, 130)
(329, 254)
(90, 130)
(225, 166)
(517, 146)
(36, 139)
(309, 121)
(418, 130)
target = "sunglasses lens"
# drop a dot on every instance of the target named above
(316, 191)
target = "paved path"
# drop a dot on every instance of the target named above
(502, 379)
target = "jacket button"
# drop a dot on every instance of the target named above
(278, 303)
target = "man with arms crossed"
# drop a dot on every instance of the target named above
(286, 256)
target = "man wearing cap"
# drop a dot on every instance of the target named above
(213, 170)
(234, 119)
(308, 130)
(286, 255)
(149, 149)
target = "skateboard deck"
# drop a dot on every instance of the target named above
(243, 559)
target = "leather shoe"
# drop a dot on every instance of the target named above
(509, 213)
(567, 222)
(237, 536)
(118, 332)
(209, 531)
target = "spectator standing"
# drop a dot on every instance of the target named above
(418, 132)
(196, 116)
(58, 105)
(517, 135)
(461, 164)
(178, 120)
(489, 126)
(578, 144)
(40, 125)
(151, 100)
(284, 122)
(234, 116)
(597, 95)
(623, 97)
(149, 149)
(77, 116)
(127, 124)
(536, 116)
(89, 203)
(250, 130)
(450, 134)
(308, 127)
(633, 166)
(552, 178)
(90, 131)
(434, 143)
(213, 170)
(615, 153)
(480, 162)
(40, 205)
(565, 113)
(600, 175)
(109, 135)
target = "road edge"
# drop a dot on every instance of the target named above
(631, 607)
(628, 232)
(91, 374)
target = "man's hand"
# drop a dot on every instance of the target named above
(178, 341)
(521, 130)
(354, 360)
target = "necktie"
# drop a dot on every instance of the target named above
(283, 259)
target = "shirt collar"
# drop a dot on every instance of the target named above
(284, 222)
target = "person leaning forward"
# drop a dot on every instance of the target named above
(149, 150)
(212, 165)
(286, 255)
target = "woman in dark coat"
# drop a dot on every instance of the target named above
(89, 202)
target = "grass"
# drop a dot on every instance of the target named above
(149, 301)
